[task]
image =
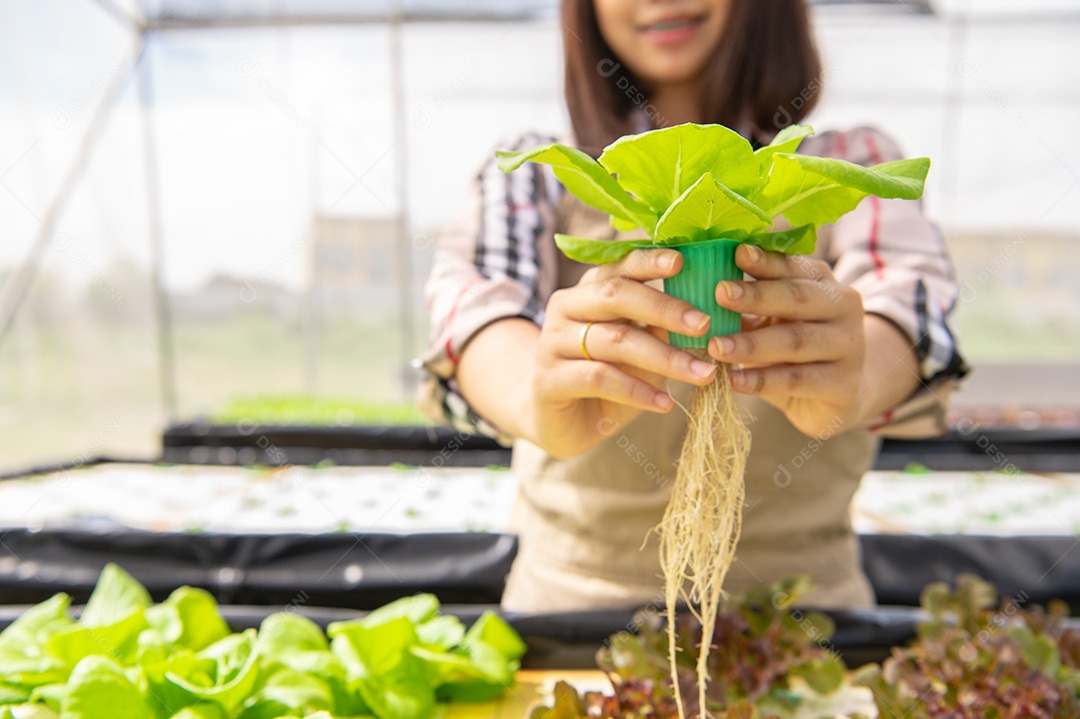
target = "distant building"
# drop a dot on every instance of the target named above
(354, 265)
(1027, 271)
(223, 296)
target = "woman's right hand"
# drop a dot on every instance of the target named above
(578, 402)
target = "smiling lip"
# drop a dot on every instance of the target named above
(673, 29)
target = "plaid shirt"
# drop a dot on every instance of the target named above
(498, 261)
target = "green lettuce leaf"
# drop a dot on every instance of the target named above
(816, 191)
(118, 640)
(188, 618)
(200, 711)
(225, 672)
(471, 690)
(493, 648)
(403, 693)
(13, 694)
(417, 609)
(283, 634)
(1040, 651)
(796, 241)
(51, 695)
(450, 666)
(824, 675)
(660, 165)
(787, 140)
(116, 596)
(379, 647)
(442, 632)
(626, 225)
(709, 210)
(23, 664)
(492, 629)
(289, 693)
(287, 640)
(586, 179)
(22, 674)
(27, 711)
(160, 667)
(110, 624)
(598, 252)
(393, 681)
(99, 688)
(36, 625)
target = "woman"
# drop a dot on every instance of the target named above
(835, 350)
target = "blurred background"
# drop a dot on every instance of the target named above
(205, 203)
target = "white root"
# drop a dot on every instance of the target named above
(701, 525)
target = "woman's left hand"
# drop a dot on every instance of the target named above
(802, 347)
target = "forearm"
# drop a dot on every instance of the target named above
(890, 369)
(494, 374)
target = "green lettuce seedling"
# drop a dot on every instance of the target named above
(127, 658)
(691, 183)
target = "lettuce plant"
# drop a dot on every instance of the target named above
(767, 663)
(126, 657)
(972, 659)
(690, 183)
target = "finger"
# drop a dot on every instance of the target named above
(751, 322)
(583, 380)
(620, 343)
(643, 265)
(822, 380)
(793, 299)
(776, 265)
(615, 299)
(787, 342)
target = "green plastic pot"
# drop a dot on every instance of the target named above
(705, 263)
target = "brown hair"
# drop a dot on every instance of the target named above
(764, 76)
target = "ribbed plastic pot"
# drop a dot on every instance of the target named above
(705, 263)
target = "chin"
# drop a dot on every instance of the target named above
(674, 72)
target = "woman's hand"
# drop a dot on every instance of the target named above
(577, 402)
(803, 346)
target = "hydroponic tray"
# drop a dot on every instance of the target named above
(974, 448)
(409, 500)
(361, 536)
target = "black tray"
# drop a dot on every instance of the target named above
(348, 570)
(200, 442)
(363, 571)
(205, 443)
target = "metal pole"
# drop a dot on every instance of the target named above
(310, 315)
(163, 323)
(401, 157)
(298, 19)
(135, 22)
(954, 106)
(17, 288)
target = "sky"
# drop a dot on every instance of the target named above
(257, 130)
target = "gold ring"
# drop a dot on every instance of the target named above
(584, 334)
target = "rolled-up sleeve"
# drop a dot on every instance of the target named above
(487, 266)
(896, 258)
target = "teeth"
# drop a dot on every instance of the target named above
(670, 24)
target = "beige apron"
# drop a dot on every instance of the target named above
(585, 523)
